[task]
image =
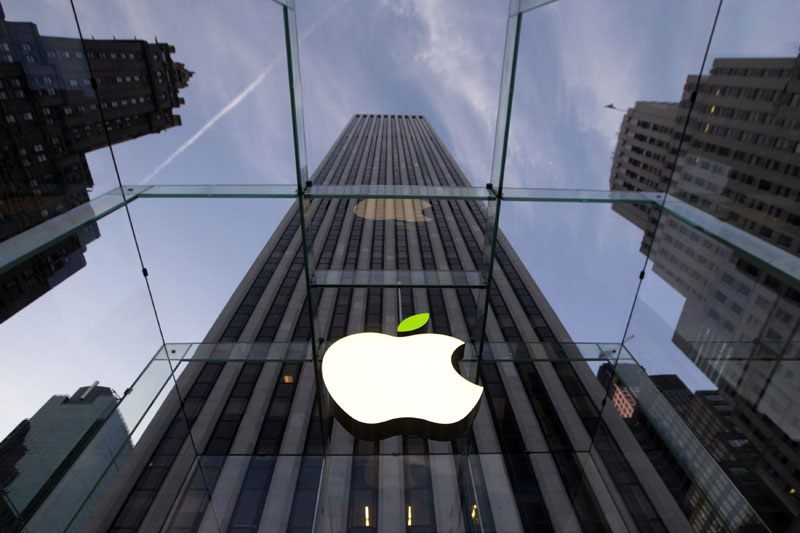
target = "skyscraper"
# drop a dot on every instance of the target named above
(247, 439)
(742, 144)
(43, 462)
(710, 418)
(61, 98)
(738, 161)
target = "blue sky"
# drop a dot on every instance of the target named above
(438, 59)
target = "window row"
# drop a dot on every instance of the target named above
(114, 55)
(751, 159)
(753, 72)
(654, 126)
(19, 93)
(745, 136)
(756, 117)
(732, 91)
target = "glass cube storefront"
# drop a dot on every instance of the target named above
(616, 245)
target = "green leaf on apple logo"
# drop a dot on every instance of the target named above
(413, 322)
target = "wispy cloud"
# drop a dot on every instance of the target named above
(456, 64)
(239, 98)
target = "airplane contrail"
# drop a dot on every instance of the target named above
(238, 98)
(221, 113)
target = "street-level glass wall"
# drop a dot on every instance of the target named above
(600, 202)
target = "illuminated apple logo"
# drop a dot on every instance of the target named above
(382, 385)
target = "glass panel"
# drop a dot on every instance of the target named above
(77, 310)
(216, 113)
(109, 333)
(577, 195)
(298, 351)
(237, 351)
(188, 244)
(75, 495)
(32, 242)
(545, 351)
(421, 492)
(239, 492)
(295, 95)
(495, 185)
(467, 135)
(151, 402)
(674, 425)
(715, 333)
(313, 215)
(579, 110)
(677, 413)
(718, 325)
(507, 79)
(527, 5)
(193, 510)
(753, 247)
(579, 264)
(82, 330)
(220, 191)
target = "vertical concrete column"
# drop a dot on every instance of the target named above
(499, 491)
(334, 496)
(391, 487)
(278, 507)
(226, 492)
(444, 480)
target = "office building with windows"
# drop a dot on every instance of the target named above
(711, 418)
(49, 458)
(742, 143)
(216, 307)
(234, 424)
(60, 98)
(738, 162)
(248, 440)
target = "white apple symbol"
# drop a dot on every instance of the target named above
(383, 385)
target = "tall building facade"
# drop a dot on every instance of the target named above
(49, 458)
(739, 160)
(742, 144)
(711, 418)
(247, 440)
(59, 99)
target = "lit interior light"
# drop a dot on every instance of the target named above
(409, 515)
(792, 491)
(713, 108)
(708, 127)
(474, 513)
(288, 379)
(366, 515)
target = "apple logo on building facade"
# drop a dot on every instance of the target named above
(382, 385)
(397, 209)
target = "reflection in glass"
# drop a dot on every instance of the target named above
(48, 461)
(418, 485)
(364, 485)
(249, 439)
(398, 210)
(738, 161)
(61, 98)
